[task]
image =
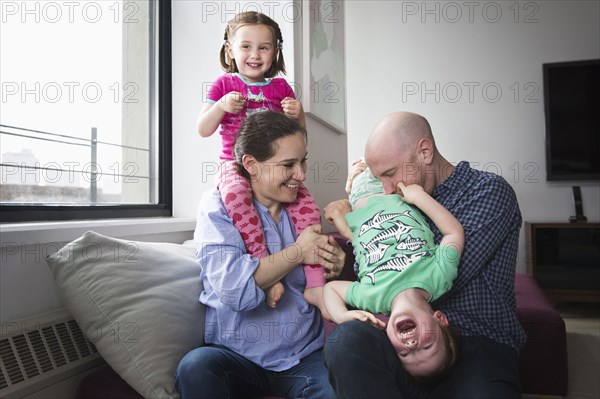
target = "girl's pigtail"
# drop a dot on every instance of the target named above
(280, 61)
(228, 65)
(279, 64)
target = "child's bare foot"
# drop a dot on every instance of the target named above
(274, 294)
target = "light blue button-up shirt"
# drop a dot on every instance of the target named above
(237, 315)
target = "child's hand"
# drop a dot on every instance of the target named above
(364, 316)
(292, 107)
(357, 166)
(411, 193)
(232, 102)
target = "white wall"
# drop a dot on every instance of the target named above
(198, 28)
(403, 54)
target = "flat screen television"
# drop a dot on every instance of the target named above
(572, 111)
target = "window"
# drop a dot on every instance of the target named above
(85, 121)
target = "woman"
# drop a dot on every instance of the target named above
(253, 349)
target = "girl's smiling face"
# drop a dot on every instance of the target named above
(275, 181)
(253, 48)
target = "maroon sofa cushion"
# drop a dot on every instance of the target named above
(105, 383)
(543, 360)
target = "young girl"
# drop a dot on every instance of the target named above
(251, 56)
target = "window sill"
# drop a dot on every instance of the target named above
(46, 232)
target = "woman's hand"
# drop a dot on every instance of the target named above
(319, 249)
(232, 102)
(357, 166)
(308, 241)
(332, 257)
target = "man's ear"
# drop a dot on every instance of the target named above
(425, 151)
(441, 317)
(250, 164)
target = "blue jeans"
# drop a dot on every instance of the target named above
(363, 364)
(214, 371)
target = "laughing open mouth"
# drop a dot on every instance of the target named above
(406, 328)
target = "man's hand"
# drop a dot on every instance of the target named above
(335, 212)
(337, 209)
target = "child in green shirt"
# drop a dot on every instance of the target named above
(400, 270)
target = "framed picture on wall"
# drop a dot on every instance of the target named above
(320, 41)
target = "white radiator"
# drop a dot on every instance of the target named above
(39, 352)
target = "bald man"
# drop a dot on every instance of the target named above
(360, 359)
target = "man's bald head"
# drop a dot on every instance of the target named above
(397, 132)
(401, 148)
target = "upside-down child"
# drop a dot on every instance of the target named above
(400, 270)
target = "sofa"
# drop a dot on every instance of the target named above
(144, 366)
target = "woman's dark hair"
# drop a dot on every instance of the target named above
(258, 134)
(253, 18)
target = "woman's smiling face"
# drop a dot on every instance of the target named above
(275, 181)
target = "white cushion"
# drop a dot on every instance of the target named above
(137, 302)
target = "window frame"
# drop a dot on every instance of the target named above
(10, 213)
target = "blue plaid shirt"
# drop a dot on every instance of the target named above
(482, 299)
